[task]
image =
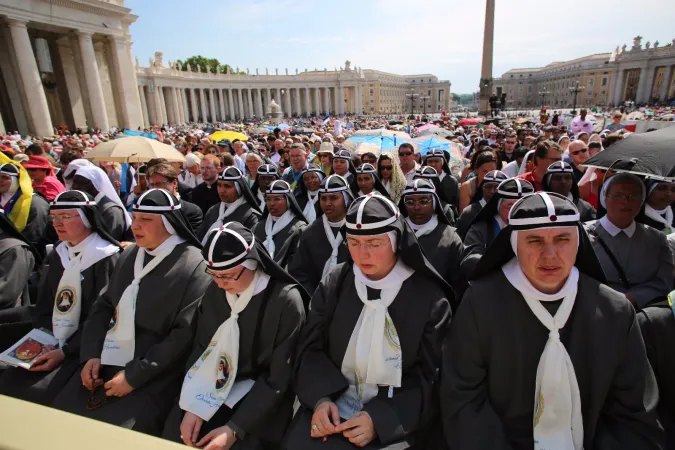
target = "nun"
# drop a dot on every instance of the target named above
(367, 182)
(637, 258)
(282, 223)
(74, 274)
(560, 179)
(237, 203)
(18, 257)
(95, 182)
(29, 212)
(137, 337)
(238, 382)
(264, 177)
(491, 219)
(657, 210)
(368, 360)
(541, 354)
(438, 159)
(485, 191)
(429, 173)
(343, 166)
(441, 244)
(308, 198)
(321, 246)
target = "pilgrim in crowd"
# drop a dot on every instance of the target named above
(205, 194)
(484, 193)
(437, 159)
(18, 258)
(342, 165)
(429, 173)
(308, 198)
(390, 174)
(367, 181)
(482, 163)
(560, 179)
(265, 174)
(658, 212)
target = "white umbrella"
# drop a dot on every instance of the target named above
(134, 149)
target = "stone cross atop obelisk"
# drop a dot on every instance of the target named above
(488, 48)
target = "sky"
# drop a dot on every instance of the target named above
(441, 37)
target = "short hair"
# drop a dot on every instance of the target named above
(406, 145)
(520, 152)
(370, 155)
(35, 150)
(611, 139)
(253, 155)
(164, 169)
(299, 147)
(542, 149)
(155, 161)
(228, 160)
(67, 157)
(356, 160)
(213, 158)
(211, 147)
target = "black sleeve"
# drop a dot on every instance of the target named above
(113, 218)
(44, 306)
(303, 268)
(293, 247)
(17, 263)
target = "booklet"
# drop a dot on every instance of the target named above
(32, 345)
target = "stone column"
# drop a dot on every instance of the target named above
(230, 104)
(249, 102)
(287, 103)
(144, 105)
(202, 101)
(268, 99)
(159, 117)
(240, 103)
(258, 104)
(486, 66)
(339, 100)
(212, 105)
(40, 121)
(3, 130)
(308, 109)
(72, 82)
(176, 105)
(125, 73)
(165, 106)
(667, 75)
(181, 105)
(221, 103)
(620, 87)
(326, 99)
(94, 88)
(193, 105)
(645, 84)
(296, 101)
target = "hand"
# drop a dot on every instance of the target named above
(118, 386)
(117, 185)
(359, 429)
(321, 420)
(48, 361)
(125, 244)
(189, 428)
(89, 373)
(219, 439)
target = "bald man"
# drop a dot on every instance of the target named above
(578, 154)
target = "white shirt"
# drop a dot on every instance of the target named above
(613, 230)
(275, 157)
(579, 125)
(511, 169)
(411, 174)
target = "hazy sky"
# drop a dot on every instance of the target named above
(442, 37)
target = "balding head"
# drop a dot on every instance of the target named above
(578, 152)
(278, 144)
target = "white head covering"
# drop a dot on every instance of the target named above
(102, 183)
(192, 160)
(75, 165)
(523, 165)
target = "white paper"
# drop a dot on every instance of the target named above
(28, 348)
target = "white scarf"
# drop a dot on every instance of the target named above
(558, 423)
(272, 227)
(261, 197)
(334, 242)
(225, 210)
(657, 215)
(424, 229)
(373, 357)
(482, 202)
(210, 381)
(310, 207)
(68, 300)
(120, 342)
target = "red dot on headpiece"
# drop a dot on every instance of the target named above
(87, 202)
(358, 226)
(222, 228)
(396, 216)
(414, 189)
(210, 263)
(553, 218)
(248, 250)
(172, 207)
(136, 205)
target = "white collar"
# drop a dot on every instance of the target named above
(613, 230)
(99, 197)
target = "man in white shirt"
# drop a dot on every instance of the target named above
(406, 156)
(581, 123)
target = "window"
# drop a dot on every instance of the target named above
(371, 92)
(604, 81)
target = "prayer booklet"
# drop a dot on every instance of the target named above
(32, 345)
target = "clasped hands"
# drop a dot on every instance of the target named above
(358, 429)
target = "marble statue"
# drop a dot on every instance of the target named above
(647, 45)
(623, 49)
(137, 62)
(276, 71)
(267, 72)
(296, 70)
(247, 71)
(637, 43)
(256, 71)
(656, 44)
(286, 70)
(158, 59)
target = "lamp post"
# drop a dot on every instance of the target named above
(576, 89)
(412, 95)
(543, 94)
(424, 98)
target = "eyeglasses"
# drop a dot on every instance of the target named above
(577, 152)
(160, 185)
(368, 246)
(204, 169)
(63, 218)
(511, 142)
(224, 277)
(625, 197)
(404, 154)
(422, 202)
(386, 167)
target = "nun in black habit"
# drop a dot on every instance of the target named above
(237, 203)
(368, 360)
(138, 334)
(658, 212)
(541, 354)
(559, 178)
(421, 208)
(483, 195)
(263, 178)
(343, 166)
(321, 247)
(282, 223)
(248, 325)
(74, 274)
(438, 159)
(18, 257)
(491, 220)
(429, 173)
(367, 181)
(308, 192)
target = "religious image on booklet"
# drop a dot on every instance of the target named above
(32, 345)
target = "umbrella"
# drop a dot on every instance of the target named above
(383, 132)
(436, 132)
(381, 142)
(229, 135)
(134, 149)
(426, 127)
(428, 143)
(281, 126)
(468, 122)
(641, 154)
(635, 115)
(365, 147)
(260, 130)
(302, 131)
(395, 122)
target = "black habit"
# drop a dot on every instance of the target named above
(285, 241)
(205, 196)
(244, 214)
(113, 217)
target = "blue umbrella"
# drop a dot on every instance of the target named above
(382, 142)
(432, 143)
(281, 126)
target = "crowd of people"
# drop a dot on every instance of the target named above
(290, 290)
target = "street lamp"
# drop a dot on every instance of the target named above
(576, 89)
(412, 95)
(424, 98)
(543, 94)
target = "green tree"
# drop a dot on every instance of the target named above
(202, 62)
(456, 98)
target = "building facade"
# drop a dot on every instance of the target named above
(639, 74)
(69, 63)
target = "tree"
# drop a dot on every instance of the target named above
(202, 62)
(456, 98)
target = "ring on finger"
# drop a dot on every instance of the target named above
(314, 427)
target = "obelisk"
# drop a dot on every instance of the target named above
(486, 68)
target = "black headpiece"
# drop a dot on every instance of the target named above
(369, 169)
(346, 155)
(281, 187)
(511, 189)
(560, 167)
(438, 153)
(85, 203)
(423, 186)
(234, 175)
(9, 169)
(269, 170)
(162, 202)
(493, 176)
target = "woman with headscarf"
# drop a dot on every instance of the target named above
(343, 166)
(191, 175)
(438, 159)
(657, 210)
(482, 163)
(281, 224)
(95, 182)
(263, 178)
(367, 182)
(541, 354)
(560, 179)
(391, 176)
(74, 274)
(485, 191)
(636, 258)
(308, 192)
(139, 330)
(491, 219)
(563, 142)
(248, 324)
(321, 247)
(367, 364)
(429, 173)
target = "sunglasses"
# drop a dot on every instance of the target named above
(577, 152)
(404, 154)
(386, 167)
